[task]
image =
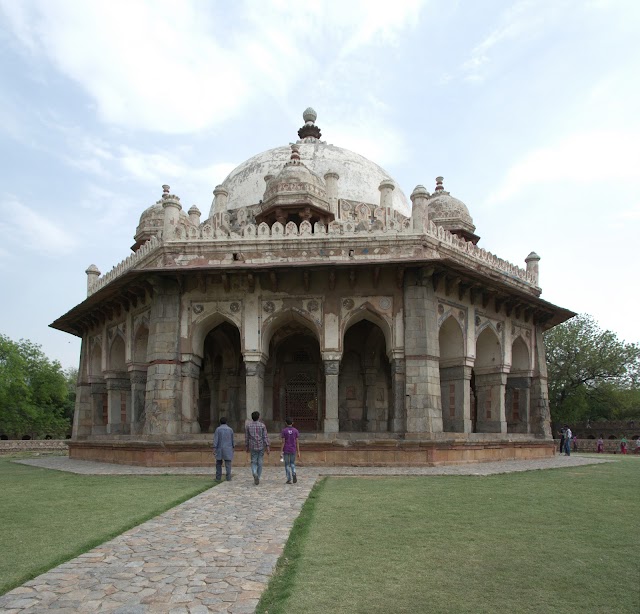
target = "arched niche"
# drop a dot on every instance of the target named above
(117, 355)
(281, 320)
(95, 361)
(488, 350)
(221, 382)
(451, 342)
(368, 313)
(140, 345)
(520, 361)
(364, 383)
(454, 394)
(294, 376)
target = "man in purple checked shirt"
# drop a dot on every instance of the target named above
(290, 447)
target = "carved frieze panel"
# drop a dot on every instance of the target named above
(380, 304)
(231, 308)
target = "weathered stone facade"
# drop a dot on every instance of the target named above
(298, 298)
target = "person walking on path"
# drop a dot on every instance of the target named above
(256, 442)
(290, 448)
(567, 440)
(561, 450)
(600, 445)
(223, 445)
(623, 445)
(637, 450)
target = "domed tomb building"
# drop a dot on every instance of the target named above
(313, 289)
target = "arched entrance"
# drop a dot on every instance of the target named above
(296, 376)
(221, 385)
(364, 384)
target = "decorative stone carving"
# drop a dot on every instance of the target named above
(441, 309)
(384, 303)
(198, 308)
(499, 327)
(331, 367)
(478, 320)
(313, 305)
(348, 303)
(461, 315)
(269, 307)
(234, 307)
(254, 368)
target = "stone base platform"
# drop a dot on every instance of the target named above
(320, 451)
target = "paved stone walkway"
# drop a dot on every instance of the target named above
(213, 553)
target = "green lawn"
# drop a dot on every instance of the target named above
(565, 540)
(47, 517)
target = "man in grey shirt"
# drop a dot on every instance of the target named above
(223, 448)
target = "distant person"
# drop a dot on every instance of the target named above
(574, 441)
(637, 450)
(567, 440)
(623, 445)
(561, 450)
(290, 448)
(600, 443)
(223, 445)
(256, 442)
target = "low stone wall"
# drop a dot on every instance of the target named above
(11, 446)
(385, 453)
(611, 446)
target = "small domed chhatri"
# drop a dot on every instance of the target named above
(312, 289)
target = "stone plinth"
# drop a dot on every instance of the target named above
(317, 452)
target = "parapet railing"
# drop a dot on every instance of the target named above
(317, 231)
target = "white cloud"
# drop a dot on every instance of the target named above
(522, 20)
(184, 66)
(25, 227)
(582, 158)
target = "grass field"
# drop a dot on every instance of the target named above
(565, 540)
(48, 517)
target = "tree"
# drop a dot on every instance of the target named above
(592, 374)
(34, 395)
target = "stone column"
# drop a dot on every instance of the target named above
(172, 207)
(419, 209)
(455, 386)
(190, 371)
(161, 409)
(82, 415)
(331, 376)
(138, 379)
(540, 418)
(422, 356)
(118, 392)
(490, 392)
(331, 180)
(370, 414)
(98, 395)
(517, 391)
(533, 267)
(93, 274)
(397, 409)
(254, 368)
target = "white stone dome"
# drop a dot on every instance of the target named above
(449, 212)
(359, 178)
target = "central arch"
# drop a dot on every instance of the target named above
(294, 378)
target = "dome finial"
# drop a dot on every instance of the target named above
(309, 116)
(165, 191)
(295, 152)
(309, 130)
(439, 186)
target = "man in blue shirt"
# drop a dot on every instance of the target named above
(223, 448)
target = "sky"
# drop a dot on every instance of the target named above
(529, 109)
